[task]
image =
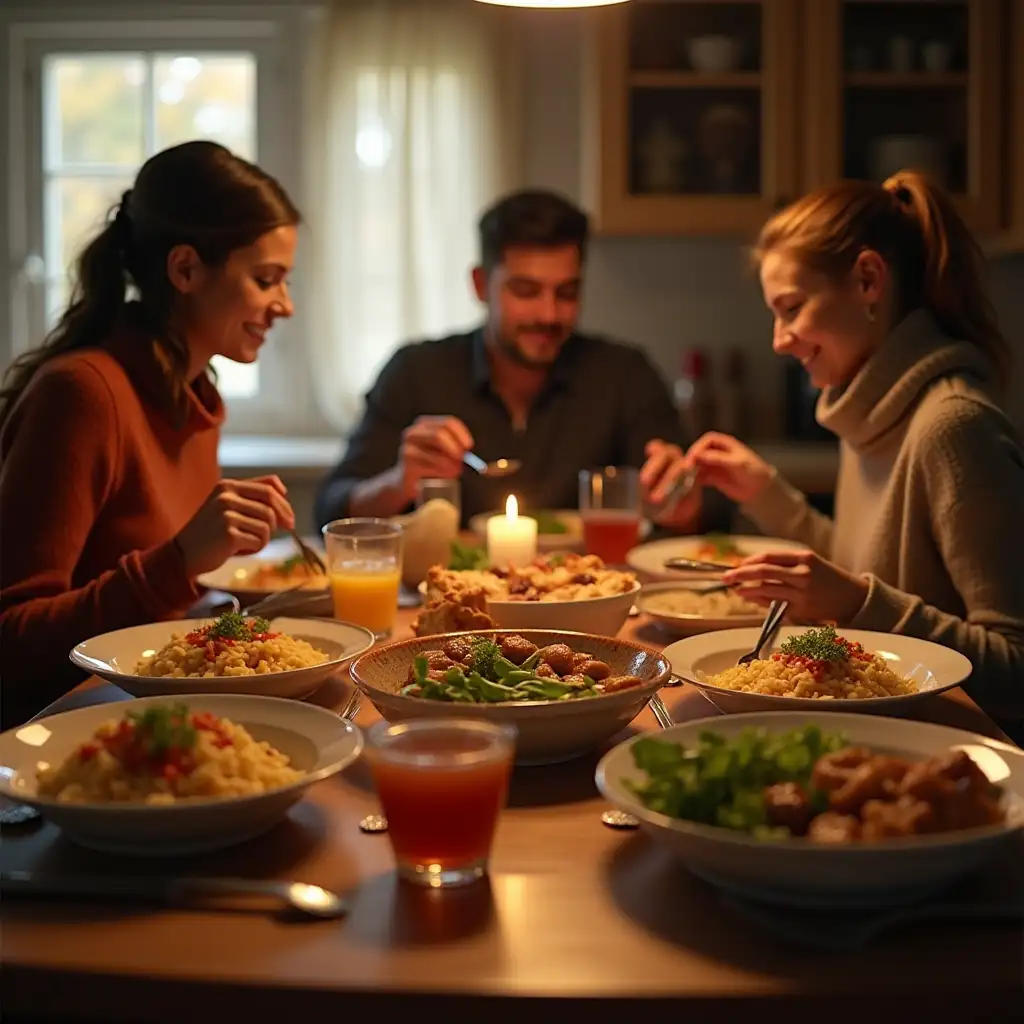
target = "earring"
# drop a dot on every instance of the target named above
(869, 312)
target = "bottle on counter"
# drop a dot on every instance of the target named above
(733, 408)
(693, 393)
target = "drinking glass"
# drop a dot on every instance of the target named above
(364, 562)
(442, 783)
(440, 487)
(610, 511)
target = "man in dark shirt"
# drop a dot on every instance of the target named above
(526, 385)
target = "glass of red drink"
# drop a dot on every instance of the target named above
(610, 511)
(442, 783)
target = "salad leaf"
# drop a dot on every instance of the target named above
(721, 781)
(465, 557)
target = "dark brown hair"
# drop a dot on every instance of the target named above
(911, 222)
(198, 194)
(532, 217)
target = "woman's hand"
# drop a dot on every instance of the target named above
(729, 466)
(817, 591)
(664, 467)
(238, 518)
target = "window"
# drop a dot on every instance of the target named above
(103, 115)
(97, 99)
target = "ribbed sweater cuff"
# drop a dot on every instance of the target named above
(158, 576)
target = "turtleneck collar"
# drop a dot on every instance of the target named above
(887, 387)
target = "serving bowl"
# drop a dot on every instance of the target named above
(798, 872)
(316, 741)
(549, 731)
(113, 656)
(603, 616)
(933, 667)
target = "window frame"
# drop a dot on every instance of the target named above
(274, 410)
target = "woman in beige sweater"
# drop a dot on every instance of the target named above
(879, 292)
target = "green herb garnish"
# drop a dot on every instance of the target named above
(162, 727)
(723, 544)
(722, 781)
(467, 557)
(285, 567)
(235, 626)
(818, 644)
(549, 523)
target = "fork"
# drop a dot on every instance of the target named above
(770, 626)
(309, 556)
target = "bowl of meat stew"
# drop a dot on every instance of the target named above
(565, 693)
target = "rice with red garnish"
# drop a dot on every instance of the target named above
(231, 646)
(818, 665)
(165, 754)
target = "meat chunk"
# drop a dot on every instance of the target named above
(615, 683)
(458, 648)
(437, 664)
(559, 657)
(875, 779)
(597, 670)
(516, 648)
(545, 671)
(579, 658)
(831, 827)
(832, 770)
(906, 816)
(786, 804)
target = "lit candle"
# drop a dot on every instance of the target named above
(511, 538)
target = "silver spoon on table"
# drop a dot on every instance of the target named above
(309, 900)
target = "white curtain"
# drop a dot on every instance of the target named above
(413, 129)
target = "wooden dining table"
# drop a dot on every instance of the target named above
(575, 918)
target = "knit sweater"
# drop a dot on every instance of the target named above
(95, 481)
(928, 503)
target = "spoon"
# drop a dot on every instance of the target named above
(310, 900)
(498, 468)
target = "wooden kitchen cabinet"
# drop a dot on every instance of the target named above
(686, 136)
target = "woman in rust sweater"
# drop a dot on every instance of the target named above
(111, 502)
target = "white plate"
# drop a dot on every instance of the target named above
(571, 540)
(797, 872)
(113, 656)
(650, 558)
(691, 624)
(317, 741)
(235, 575)
(933, 667)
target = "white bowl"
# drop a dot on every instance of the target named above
(113, 656)
(798, 872)
(604, 616)
(571, 540)
(650, 558)
(933, 667)
(714, 54)
(317, 741)
(549, 731)
(690, 624)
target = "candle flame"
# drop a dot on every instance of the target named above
(511, 507)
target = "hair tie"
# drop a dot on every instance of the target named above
(902, 195)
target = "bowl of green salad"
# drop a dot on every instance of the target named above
(821, 811)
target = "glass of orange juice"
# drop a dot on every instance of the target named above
(364, 562)
(442, 783)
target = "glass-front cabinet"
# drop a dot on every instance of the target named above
(691, 127)
(892, 84)
(702, 116)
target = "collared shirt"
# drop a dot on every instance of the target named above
(601, 404)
